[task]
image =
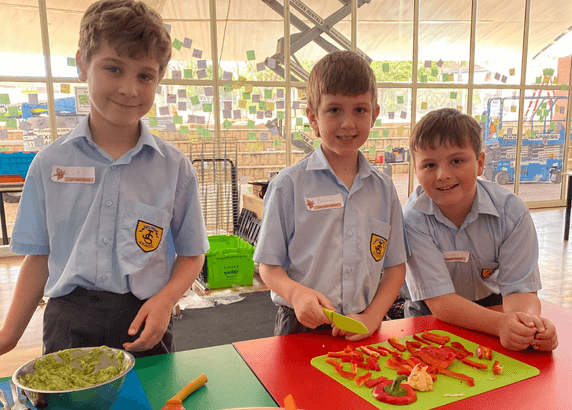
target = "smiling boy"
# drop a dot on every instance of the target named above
(332, 231)
(109, 219)
(473, 243)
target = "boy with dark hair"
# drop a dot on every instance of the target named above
(473, 243)
(332, 231)
(106, 207)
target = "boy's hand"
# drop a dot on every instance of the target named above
(369, 322)
(546, 338)
(307, 304)
(156, 314)
(517, 330)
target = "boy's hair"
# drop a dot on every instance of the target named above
(446, 126)
(131, 28)
(340, 72)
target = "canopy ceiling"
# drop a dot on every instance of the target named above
(385, 27)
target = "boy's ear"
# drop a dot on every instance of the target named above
(481, 163)
(312, 118)
(375, 114)
(81, 69)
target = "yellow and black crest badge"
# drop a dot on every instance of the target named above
(487, 273)
(148, 236)
(377, 247)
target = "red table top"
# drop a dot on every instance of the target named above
(282, 364)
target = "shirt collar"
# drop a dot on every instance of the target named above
(82, 130)
(482, 204)
(318, 161)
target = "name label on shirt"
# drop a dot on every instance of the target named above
(456, 256)
(78, 175)
(320, 203)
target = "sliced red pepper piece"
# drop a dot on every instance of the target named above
(435, 356)
(334, 363)
(369, 351)
(460, 347)
(380, 351)
(372, 382)
(400, 368)
(459, 354)
(409, 345)
(373, 364)
(393, 341)
(497, 368)
(362, 379)
(484, 352)
(382, 395)
(419, 339)
(347, 375)
(469, 380)
(432, 337)
(339, 355)
(476, 365)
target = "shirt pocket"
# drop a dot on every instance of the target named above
(378, 239)
(488, 270)
(142, 235)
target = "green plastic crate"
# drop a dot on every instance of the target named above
(228, 262)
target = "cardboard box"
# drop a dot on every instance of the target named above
(253, 203)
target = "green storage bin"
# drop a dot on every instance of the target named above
(228, 262)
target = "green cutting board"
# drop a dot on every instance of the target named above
(513, 371)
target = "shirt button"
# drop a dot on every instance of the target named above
(103, 278)
(348, 270)
(109, 202)
(350, 233)
(106, 240)
(113, 166)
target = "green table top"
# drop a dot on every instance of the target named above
(231, 383)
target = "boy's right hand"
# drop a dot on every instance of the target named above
(517, 331)
(307, 304)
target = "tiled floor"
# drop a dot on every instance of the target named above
(555, 267)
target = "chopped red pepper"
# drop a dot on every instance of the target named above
(432, 337)
(434, 356)
(476, 365)
(459, 354)
(422, 341)
(334, 363)
(411, 347)
(382, 394)
(380, 351)
(497, 368)
(369, 351)
(469, 380)
(399, 367)
(372, 382)
(484, 352)
(347, 375)
(373, 364)
(393, 341)
(460, 347)
(362, 379)
(339, 355)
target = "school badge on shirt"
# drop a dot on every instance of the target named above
(377, 247)
(81, 175)
(148, 236)
(487, 273)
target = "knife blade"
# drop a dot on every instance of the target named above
(345, 323)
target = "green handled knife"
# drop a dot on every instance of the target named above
(344, 322)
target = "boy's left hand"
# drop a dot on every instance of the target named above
(546, 338)
(156, 314)
(368, 321)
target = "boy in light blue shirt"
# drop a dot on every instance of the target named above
(332, 232)
(105, 207)
(473, 243)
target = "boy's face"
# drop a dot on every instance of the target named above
(121, 89)
(448, 174)
(343, 122)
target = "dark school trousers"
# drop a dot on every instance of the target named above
(287, 323)
(89, 318)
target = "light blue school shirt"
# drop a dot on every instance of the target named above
(498, 235)
(325, 236)
(90, 232)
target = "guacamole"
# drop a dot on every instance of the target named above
(55, 375)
